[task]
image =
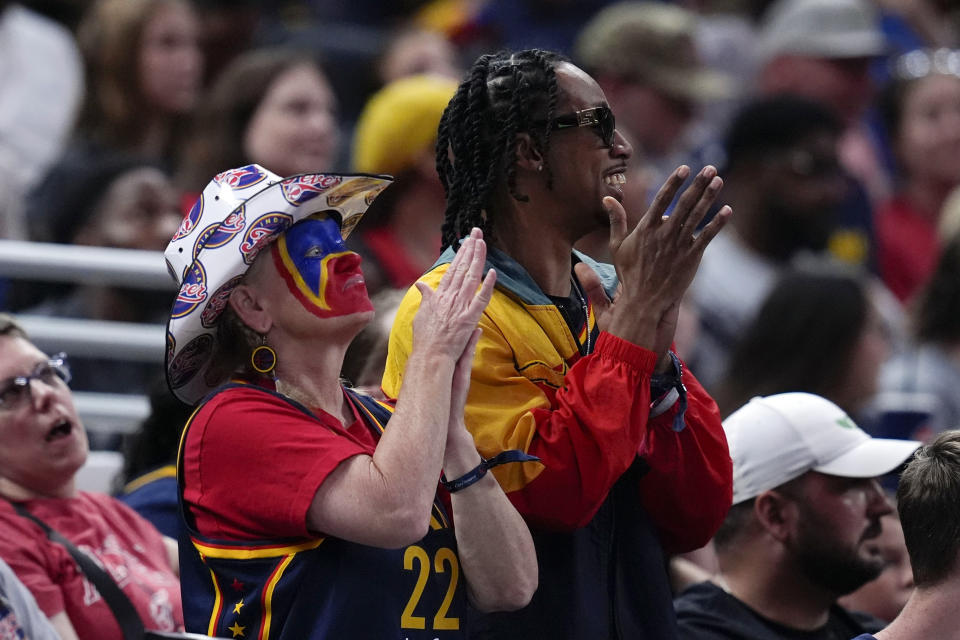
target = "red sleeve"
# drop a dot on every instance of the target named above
(39, 566)
(689, 486)
(253, 463)
(586, 437)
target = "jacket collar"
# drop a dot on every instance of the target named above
(512, 277)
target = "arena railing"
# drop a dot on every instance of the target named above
(101, 412)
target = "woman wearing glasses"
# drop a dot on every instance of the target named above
(631, 448)
(42, 446)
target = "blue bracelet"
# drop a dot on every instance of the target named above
(467, 479)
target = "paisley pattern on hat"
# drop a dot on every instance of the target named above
(240, 212)
(242, 177)
(303, 188)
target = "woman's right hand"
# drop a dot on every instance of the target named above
(448, 315)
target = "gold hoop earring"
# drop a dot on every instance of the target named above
(263, 359)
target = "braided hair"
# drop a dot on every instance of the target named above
(503, 94)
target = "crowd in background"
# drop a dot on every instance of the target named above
(835, 125)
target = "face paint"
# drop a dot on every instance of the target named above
(319, 270)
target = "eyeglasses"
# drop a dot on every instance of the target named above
(920, 63)
(599, 117)
(16, 391)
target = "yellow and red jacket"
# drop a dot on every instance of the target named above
(586, 417)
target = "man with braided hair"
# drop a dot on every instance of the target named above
(575, 364)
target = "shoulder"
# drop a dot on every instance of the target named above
(701, 597)
(19, 532)
(240, 407)
(113, 510)
(707, 612)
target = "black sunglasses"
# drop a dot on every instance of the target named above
(599, 117)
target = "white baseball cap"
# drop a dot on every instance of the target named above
(821, 28)
(240, 212)
(780, 437)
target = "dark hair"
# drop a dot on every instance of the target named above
(773, 124)
(928, 500)
(937, 317)
(216, 143)
(504, 94)
(809, 313)
(736, 521)
(232, 349)
(155, 442)
(73, 191)
(110, 38)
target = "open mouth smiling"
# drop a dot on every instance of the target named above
(615, 179)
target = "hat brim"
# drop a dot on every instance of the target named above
(870, 458)
(701, 85)
(862, 45)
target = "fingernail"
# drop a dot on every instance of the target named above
(709, 171)
(716, 183)
(683, 171)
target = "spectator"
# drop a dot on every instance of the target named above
(117, 202)
(921, 109)
(927, 500)
(810, 312)
(144, 72)
(528, 149)
(885, 596)
(272, 107)
(396, 135)
(785, 183)
(42, 445)
(642, 55)
(822, 50)
(368, 549)
(802, 530)
(922, 384)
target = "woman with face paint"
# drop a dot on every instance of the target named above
(306, 518)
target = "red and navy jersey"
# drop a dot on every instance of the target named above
(314, 588)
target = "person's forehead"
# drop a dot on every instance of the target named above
(317, 226)
(824, 481)
(18, 356)
(578, 90)
(822, 143)
(136, 183)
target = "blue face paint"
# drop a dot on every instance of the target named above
(319, 270)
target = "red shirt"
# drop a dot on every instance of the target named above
(907, 247)
(128, 546)
(252, 463)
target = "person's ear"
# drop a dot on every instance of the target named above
(776, 513)
(529, 156)
(246, 303)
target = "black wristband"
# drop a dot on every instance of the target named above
(472, 476)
